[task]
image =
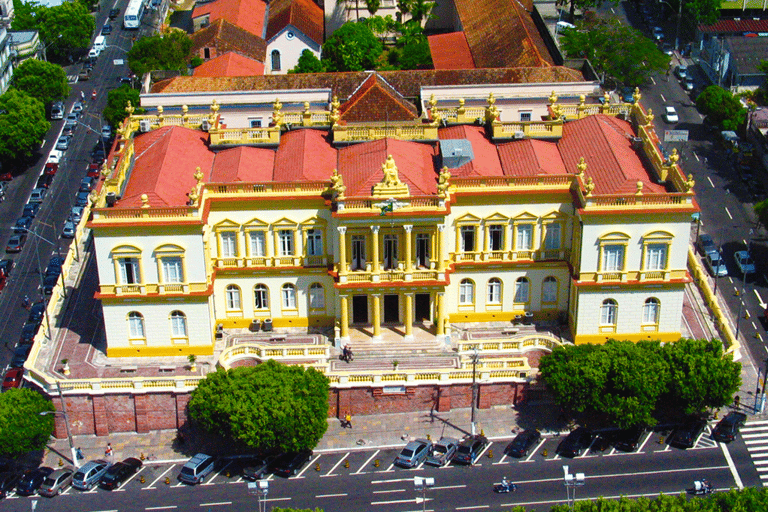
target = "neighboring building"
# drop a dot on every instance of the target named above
(6, 60)
(249, 15)
(25, 44)
(6, 12)
(730, 52)
(293, 26)
(229, 64)
(221, 37)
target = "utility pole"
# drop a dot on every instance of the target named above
(474, 389)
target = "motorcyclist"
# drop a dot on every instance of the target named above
(505, 483)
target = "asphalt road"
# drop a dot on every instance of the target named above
(326, 482)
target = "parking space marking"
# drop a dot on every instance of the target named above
(394, 502)
(216, 504)
(92, 490)
(330, 473)
(390, 468)
(663, 98)
(458, 486)
(164, 507)
(301, 473)
(391, 481)
(366, 462)
(340, 495)
(128, 481)
(501, 460)
(387, 491)
(640, 449)
(210, 482)
(473, 507)
(482, 452)
(158, 478)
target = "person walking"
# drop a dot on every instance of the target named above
(350, 355)
(82, 96)
(109, 452)
(25, 302)
(347, 420)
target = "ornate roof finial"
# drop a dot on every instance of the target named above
(443, 182)
(674, 157)
(277, 115)
(553, 98)
(184, 109)
(306, 106)
(432, 103)
(335, 103)
(390, 185)
(639, 191)
(607, 98)
(337, 185)
(590, 186)
(649, 117)
(581, 167)
(193, 196)
(636, 95)
(690, 182)
(198, 175)
(144, 201)
(129, 108)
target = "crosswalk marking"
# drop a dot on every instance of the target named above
(72, 79)
(755, 435)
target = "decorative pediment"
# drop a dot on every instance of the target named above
(468, 218)
(226, 224)
(496, 218)
(390, 185)
(525, 216)
(255, 224)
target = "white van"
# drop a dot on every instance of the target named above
(99, 44)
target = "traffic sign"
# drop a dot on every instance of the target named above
(675, 135)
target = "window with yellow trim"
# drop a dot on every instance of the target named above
(609, 312)
(260, 297)
(316, 296)
(127, 261)
(257, 243)
(553, 236)
(522, 290)
(136, 325)
(228, 244)
(651, 310)
(233, 298)
(494, 291)
(289, 296)
(613, 248)
(549, 289)
(466, 292)
(656, 250)
(179, 325)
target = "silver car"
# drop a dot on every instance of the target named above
(90, 474)
(56, 482)
(442, 452)
(716, 264)
(414, 453)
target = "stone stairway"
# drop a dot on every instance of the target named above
(367, 349)
(404, 362)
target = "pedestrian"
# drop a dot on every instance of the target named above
(25, 302)
(79, 453)
(350, 355)
(344, 354)
(82, 96)
(348, 420)
(736, 401)
(108, 452)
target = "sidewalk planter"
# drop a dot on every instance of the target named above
(267, 327)
(255, 325)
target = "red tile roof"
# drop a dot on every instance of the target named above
(243, 164)
(246, 14)
(229, 64)
(165, 165)
(360, 166)
(305, 15)
(376, 99)
(486, 159)
(725, 26)
(450, 51)
(304, 155)
(222, 36)
(531, 158)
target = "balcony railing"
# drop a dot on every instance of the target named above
(512, 255)
(270, 261)
(375, 131)
(634, 276)
(390, 276)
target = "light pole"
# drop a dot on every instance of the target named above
(260, 488)
(474, 388)
(422, 484)
(69, 434)
(743, 285)
(571, 483)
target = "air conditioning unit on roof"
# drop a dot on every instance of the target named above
(519, 135)
(205, 125)
(144, 125)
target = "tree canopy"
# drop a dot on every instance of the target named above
(268, 406)
(22, 125)
(66, 28)
(42, 80)
(749, 498)
(308, 63)
(618, 53)
(22, 429)
(353, 47)
(168, 51)
(117, 100)
(722, 108)
(624, 382)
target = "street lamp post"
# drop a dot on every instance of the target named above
(260, 488)
(571, 483)
(72, 450)
(422, 484)
(474, 389)
(743, 285)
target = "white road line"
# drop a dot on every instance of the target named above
(755, 423)
(388, 491)
(216, 504)
(654, 81)
(729, 213)
(460, 486)
(278, 499)
(307, 466)
(392, 481)
(390, 467)
(474, 507)
(164, 507)
(662, 98)
(501, 460)
(366, 462)
(640, 449)
(483, 452)
(331, 495)
(337, 465)
(158, 478)
(533, 452)
(697, 159)
(129, 480)
(710, 182)
(732, 466)
(210, 482)
(393, 502)
(754, 326)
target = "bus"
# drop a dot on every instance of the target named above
(133, 14)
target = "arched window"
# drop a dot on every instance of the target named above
(549, 290)
(522, 290)
(178, 324)
(233, 297)
(466, 292)
(651, 311)
(289, 296)
(135, 325)
(275, 60)
(260, 297)
(494, 291)
(316, 296)
(608, 312)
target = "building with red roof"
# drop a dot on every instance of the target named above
(229, 64)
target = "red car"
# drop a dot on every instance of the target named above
(6, 176)
(93, 171)
(13, 378)
(51, 168)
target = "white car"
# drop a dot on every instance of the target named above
(670, 115)
(716, 264)
(744, 262)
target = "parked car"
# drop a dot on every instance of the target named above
(114, 13)
(56, 482)
(469, 449)
(85, 73)
(86, 184)
(16, 243)
(63, 143)
(51, 168)
(716, 264)
(442, 452)
(8, 480)
(77, 107)
(57, 111)
(628, 439)
(89, 475)
(28, 332)
(30, 209)
(522, 443)
(687, 83)
(670, 114)
(32, 479)
(727, 428)
(668, 49)
(76, 213)
(575, 443)
(252, 468)
(22, 225)
(658, 33)
(38, 195)
(44, 181)
(196, 469)
(744, 262)
(92, 171)
(414, 453)
(20, 354)
(119, 473)
(6, 266)
(685, 436)
(290, 463)
(81, 199)
(627, 94)
(106, 29)
(106, 132)
(705, 244)
(49, 283)
(681, 71)
(13, 378)
(36, 312)
(54, 266)
(69, 229)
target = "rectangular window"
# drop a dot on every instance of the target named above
(613, 258)
(525, 116)
(390, 252)
(258, 243)
(179, 326)
(467, 238)
(228, 244)
(129, 271)
(255, 123)
(656, 257)
(358, 252)
(136, 326)
(314, 242)
(316, 297)
(422, 250)
(496, 237)
(524, 237)
(289, 297)
(285, 237)
(552, 235)
(172, 272)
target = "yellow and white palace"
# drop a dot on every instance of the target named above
(479, 210)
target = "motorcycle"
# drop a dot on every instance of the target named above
(504, 488)
(701, 487)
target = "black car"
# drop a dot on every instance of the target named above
(106, 29)
(44, 181)
(522, 443)
(31, 480)
(36, 312)
(252, 468)
(628, 439)
(727, 428)
(28, 332)
(8, 481)
(469, 449)
(49, 283)
(22, 225)
(81, 199)
(20, 356)
(290, 463)
(114, 13)
(30, 209)
(686, 435)
(54, 266)
(119, 473)
(5, 267)
(16, 243)
(575, 443)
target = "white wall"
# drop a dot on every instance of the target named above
(290, 49)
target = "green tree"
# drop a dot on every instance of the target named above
(700, 377)
(117, 100)
(373, 6)
(26, 15)
(353, 47)
(268, 406)
(22, 125)
(701, 11)
(66, 28)
(583, 5)
(761, 209)
(308, 63)
(22, 428)
(42, 80)
(415, 55)
(161, 51)
(418, 9)
(722, 108)
(618, 53)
